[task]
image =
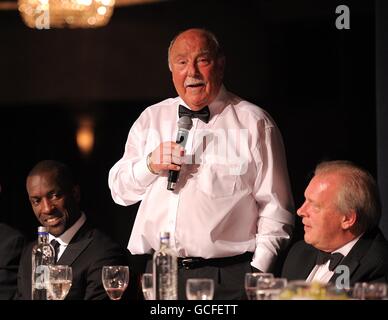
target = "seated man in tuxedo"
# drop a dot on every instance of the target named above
(54, 197)
(341, 236)
(11, 245)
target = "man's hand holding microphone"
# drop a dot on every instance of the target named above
(169, 155)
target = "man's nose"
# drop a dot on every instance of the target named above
(47, 206)
(192, 70)
(301, 211)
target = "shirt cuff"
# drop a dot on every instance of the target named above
(142, 174)
(263, 260)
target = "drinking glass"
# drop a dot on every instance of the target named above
(199, 289)
(370, 291)
(115, 280)
(270, 289)
(147, 285)
(251, 283)
(59, 281)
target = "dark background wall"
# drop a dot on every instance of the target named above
(317, 82)
(382, 104)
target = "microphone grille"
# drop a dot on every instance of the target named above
(185, 122)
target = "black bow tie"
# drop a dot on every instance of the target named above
(335, 259)
(203, 114)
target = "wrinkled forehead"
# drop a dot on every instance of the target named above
(193, 41)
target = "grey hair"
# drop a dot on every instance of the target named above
(208, 34)
(358, 192)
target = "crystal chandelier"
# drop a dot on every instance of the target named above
(46, 14)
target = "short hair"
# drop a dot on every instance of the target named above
(359, 192)
(208, 34)
(64, 176)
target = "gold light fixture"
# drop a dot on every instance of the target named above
(85, 135)
(46, 14)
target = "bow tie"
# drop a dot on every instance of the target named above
(203, 114)
(335, 259)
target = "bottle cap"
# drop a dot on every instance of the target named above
(42, 229)
(165, 235)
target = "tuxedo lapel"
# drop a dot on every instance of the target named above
(300, 261)
(352, 260)
(72, 251)
(307, 265)
(352, 265)
(77, 245)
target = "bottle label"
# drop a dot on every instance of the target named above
(48, 252)
(41, 276)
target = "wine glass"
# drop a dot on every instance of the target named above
(251, 283)
(370, 291)
(199, 289)
(147, 285)
(59, 281)
(270, 289)
(115, 280)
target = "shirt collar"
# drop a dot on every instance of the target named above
(344, 250)
(65, 238)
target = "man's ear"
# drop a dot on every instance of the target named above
(76, 193)
(349, 219)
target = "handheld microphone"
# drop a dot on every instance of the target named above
(184, 125)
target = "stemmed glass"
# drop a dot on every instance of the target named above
(199, 289)
(270, 289)
(147, 285)
(370, 291)
(115, 280)
(251, 280)
(59, 282)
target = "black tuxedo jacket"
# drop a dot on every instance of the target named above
(11, 245)
(367, 261)
(87, 253)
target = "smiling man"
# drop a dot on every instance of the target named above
(54, 197)
(231, 209)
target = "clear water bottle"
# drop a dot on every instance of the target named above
(43, 255)
(165, 270)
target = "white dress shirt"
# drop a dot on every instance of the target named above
(233, 193)
(65, 238)
(321, 273)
